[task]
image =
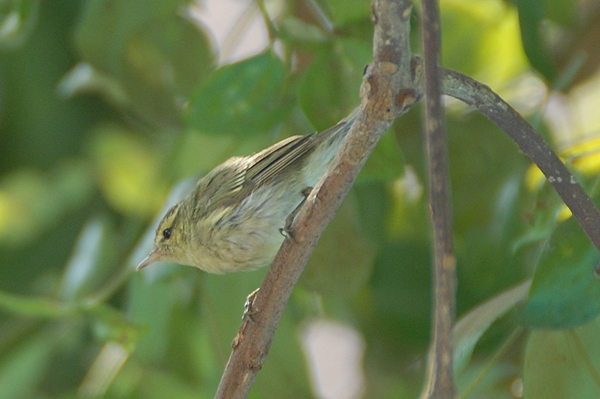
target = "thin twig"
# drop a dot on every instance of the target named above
(386, 93)
(531, 143)
(440, 381)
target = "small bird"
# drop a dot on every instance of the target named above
(237, 215)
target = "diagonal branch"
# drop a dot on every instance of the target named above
(531, 143)
(386, 93)
(440, 380)
(391, 85)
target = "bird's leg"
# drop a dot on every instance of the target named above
(286, 231)
(248, 311)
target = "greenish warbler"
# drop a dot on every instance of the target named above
(234, 217)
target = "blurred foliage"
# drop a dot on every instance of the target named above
(106, 104)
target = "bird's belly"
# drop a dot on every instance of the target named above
(252, 236)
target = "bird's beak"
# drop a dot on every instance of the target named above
(154, 256)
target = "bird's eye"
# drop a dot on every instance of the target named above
(167, 233)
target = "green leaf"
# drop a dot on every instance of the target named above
(469, 329)
(223, 298)
(103, 370)
(35, 307)
(482, 39)
(530, 18)
(163, 60)
(128, 170)
(295, 30)
(25, 366)
(105, 26)
(93, 256)
(286, 363)
(336, 268)
(32, 201)
(17, 22)
(399, 300)
(243, 98)
(565, 291)
(386, 162)
(160, 383)
(329, 88)
(155, 55)
(151, 306)
(563, 12)
(347, 11)
(563, 364)
(111, 324)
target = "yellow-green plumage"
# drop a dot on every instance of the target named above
(232, 219)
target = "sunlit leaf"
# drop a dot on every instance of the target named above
(584, 155)
(565, 291)
(128, 171)
(242, 99)
(104, 369)
(484, 40)
(32, 201)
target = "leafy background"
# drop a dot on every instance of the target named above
(107, 105)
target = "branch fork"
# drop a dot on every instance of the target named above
(392, 84)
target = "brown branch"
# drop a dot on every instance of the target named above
(531, 143)
(386, 93)
(440, 380)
